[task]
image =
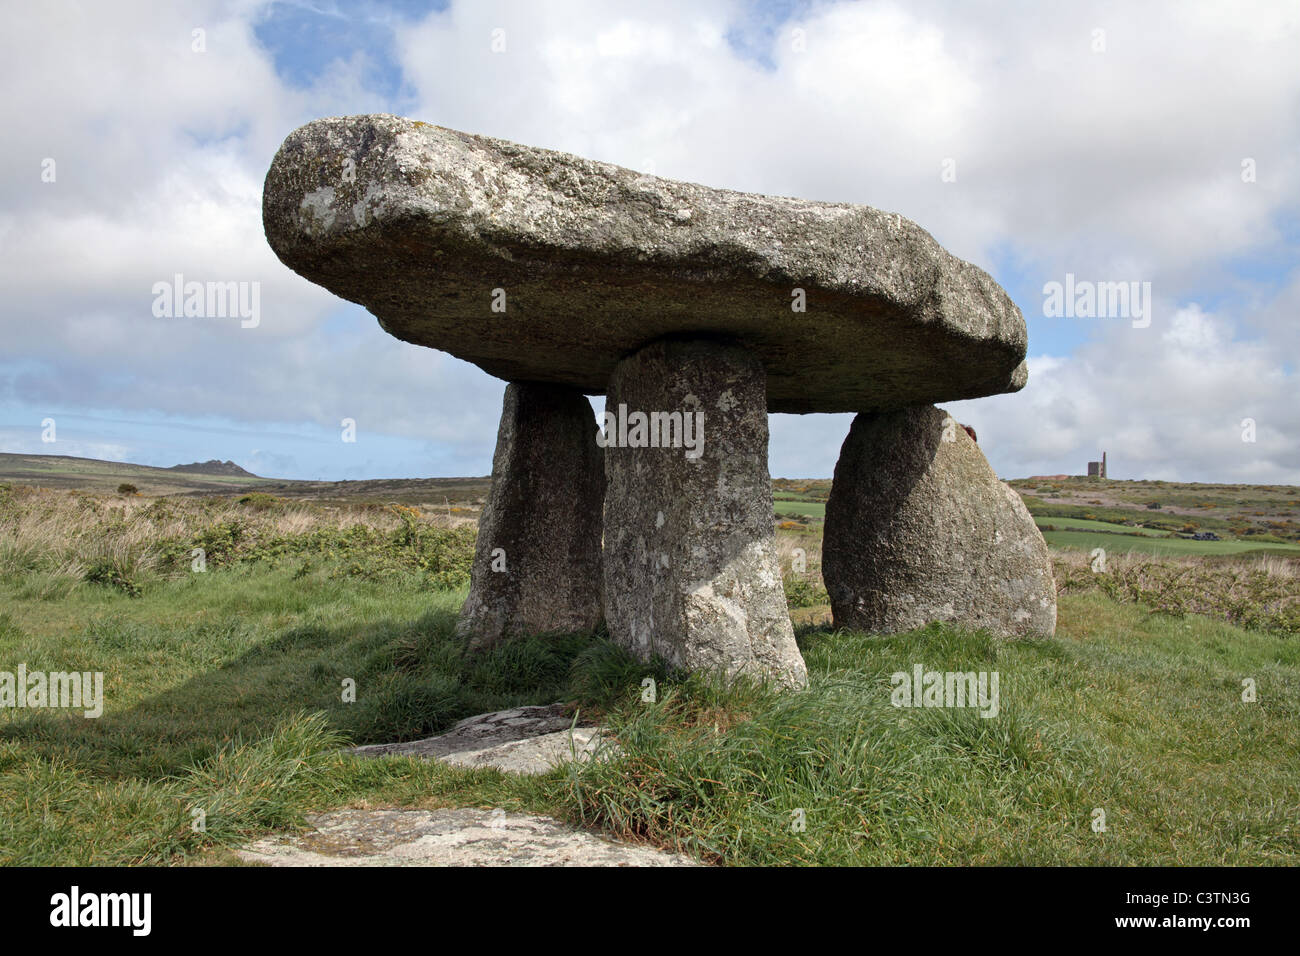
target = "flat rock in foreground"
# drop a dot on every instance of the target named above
(430, 228)
(460, 837)
(519, 740)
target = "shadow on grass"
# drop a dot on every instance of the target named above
(411, 679)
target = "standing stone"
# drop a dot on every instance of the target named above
(691, 570)
(537, 560)
(919, 529)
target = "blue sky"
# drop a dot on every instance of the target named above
(1122, 163)
(302, 39)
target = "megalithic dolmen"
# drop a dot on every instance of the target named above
(694, 310)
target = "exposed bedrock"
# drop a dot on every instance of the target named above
(919, 528)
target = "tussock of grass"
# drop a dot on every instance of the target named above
(722, 774)
(57, 814)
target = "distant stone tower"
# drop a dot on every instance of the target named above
(1097, 469)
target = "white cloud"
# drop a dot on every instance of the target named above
(1123, 164)
(1162, 405)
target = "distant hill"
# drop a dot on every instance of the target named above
(213, 467)
(226, 478)
(92, 474)
(1260, 516)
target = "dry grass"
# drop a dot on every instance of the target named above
(68, 534)
(800, 558)
(1261, 592)
(789, 546)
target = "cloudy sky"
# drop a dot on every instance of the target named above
(1116, 142)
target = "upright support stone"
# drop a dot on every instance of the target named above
(691, 570)
(537, 560)
(919, 529)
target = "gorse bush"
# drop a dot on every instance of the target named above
(443, 555)
(108, 572)
(260, 501)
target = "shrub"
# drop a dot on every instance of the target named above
(801, 592)
(219, 540)
(126, 488)
(260, 501)
(111, 574)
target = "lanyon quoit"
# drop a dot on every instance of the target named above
(567, 277)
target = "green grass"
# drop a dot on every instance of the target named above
(1087, 524)
(814, 509)
(223, 693)
(1120, 544)
(1136, 715)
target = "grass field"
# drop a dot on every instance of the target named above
(224, 695)
(815, 509)
(1118, 544)
(1250, 520)
(1084, 524)
(1269, 512)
